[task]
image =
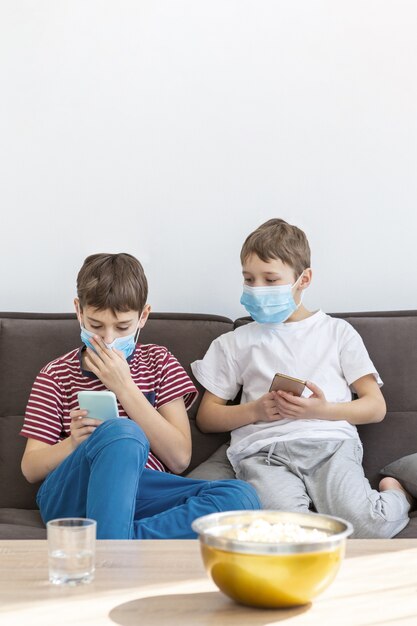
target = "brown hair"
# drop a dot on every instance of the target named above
(112, 281)
(276, 239)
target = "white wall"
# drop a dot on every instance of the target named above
(170, 129)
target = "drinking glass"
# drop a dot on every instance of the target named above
(71, 550)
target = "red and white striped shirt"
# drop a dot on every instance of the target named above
(156, 372)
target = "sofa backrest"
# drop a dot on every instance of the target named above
(30, 340)
(391, 340)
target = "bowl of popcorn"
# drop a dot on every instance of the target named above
(272, 559)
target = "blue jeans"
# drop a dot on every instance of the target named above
(105, 479)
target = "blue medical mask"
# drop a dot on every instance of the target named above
(125, 344)
(270, 305)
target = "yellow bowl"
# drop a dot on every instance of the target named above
(271, 575)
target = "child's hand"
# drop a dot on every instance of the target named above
(266, 408)
(81, 426)
(110, 366)
(294, 407)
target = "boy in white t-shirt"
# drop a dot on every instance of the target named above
(298, 452)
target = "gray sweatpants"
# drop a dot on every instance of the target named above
(327, 475)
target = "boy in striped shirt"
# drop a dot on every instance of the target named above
(120, 472)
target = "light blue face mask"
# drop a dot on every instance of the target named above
(270, 305)
(125, 344)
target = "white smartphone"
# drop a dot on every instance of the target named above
(101, 405)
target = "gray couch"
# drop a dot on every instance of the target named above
(30, 340)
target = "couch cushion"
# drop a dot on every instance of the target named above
(216, 467)
(387, 441)
(188, 337)
(390, 339)
(30, 340)
(21, 524)
(410, 531)
(27, 343)
(404, 470)
(15, 491)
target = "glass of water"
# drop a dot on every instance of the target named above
(71, 550)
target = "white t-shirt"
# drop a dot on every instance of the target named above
(322, 349)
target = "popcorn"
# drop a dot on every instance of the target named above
(283, 532)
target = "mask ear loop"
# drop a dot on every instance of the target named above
(302, 293)
(82, 327)
(79, 320)
(137, 331)
(300, 276)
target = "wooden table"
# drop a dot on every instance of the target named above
(164, 582)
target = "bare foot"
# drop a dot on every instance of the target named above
(392, 483)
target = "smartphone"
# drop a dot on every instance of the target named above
(101, 405)
(282, 382)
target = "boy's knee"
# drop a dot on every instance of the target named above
(115, 430)
(239, 495)
(248, 492)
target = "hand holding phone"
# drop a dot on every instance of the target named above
(282, 382)
(101, 405)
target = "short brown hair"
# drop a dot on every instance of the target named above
(112, 281)
(276, 239)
